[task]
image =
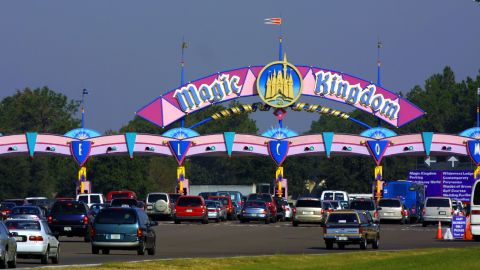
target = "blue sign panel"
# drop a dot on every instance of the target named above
(459, 225)
(179, 149)
(473, 149)
(452, 184)
(377, 149)
(80, 151)
(278, 151)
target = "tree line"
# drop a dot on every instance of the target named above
(450, 106)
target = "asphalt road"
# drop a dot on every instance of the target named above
(188, 240)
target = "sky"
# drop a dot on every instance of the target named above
(127, 53)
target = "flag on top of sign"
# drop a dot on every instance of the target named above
(277, 20)
(85, 92)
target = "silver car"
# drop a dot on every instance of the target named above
(392, 209)
(158, 205)
(308, 210)
(437, 209)
(8, 246)
(255, 210)
(216, 210)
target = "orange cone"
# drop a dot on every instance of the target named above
(468, 233)
(439, 231)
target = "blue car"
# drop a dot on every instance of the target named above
(123, 228)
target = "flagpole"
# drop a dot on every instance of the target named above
(478, 108)
(84, 92)
(182, 75)
(280, 45)
(379, 64)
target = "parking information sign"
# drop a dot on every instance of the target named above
(452, 184)
(459, 224)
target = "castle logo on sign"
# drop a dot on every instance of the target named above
(377, 149)
(473, 149)
(179, 149)
(80, 151)
(278, 150)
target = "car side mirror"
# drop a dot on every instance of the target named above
(13, 234)
(153, 223)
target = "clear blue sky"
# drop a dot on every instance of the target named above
(127, 52)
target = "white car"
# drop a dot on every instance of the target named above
(34, 239)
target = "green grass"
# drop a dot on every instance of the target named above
(424, 259)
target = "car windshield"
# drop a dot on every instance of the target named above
(254, 204)
(30, 225)
(25, 210)
(267, 197)
(328, 196)
(389, 203)
(362, 205)
(224, 201)
(309, 203)
(341, 218)
(211, 204)
(189, 201)
(116, 216)
(68, 208)
(438, 202)
(152, 198)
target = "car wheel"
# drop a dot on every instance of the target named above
(341, 245)
(376, 243)
(95, 250)
(151, 251)
(242, 221)
(329, 244)
(44, 259)
(86, 238)
(363, 244)
(56, 258)
(476, 238)
(177, 221)
(4, 262)
(267, 220)
(205, 221)
(105, 251)
(217, 220)
(141, 249)
(295, 223)
(274, 219)
(424, 224)
(13, 262)
(402, 221)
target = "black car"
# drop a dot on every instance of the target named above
(281, 202)
(69, 218)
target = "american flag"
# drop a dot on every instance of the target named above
(277, 20)
(85, 92)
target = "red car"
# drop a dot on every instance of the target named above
(191, 208)
(121, 194)
(268, 199)
(227, 202)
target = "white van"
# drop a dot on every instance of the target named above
(334, 195)
(437, 209)
(91, 198)
(475, 211)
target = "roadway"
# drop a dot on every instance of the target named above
(190, 240)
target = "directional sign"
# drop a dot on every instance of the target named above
(430, 160)
(80, 151)
(179, 149)
(377, 149)
(278, 150)
(473, 149)
(453, 160)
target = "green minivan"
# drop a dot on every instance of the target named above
(123, 228)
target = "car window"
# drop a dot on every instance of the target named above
(95, 199)
(363, 218)
(341, 218)
(26, 210)
(255, 204)
(211, 204)
(328, 196)
(438, 202)
(309, 203)
(83, 198)
(116, 216)
(267, 197)
(30, 225)
(189, 201)
(476, 194)
(362, 205)
(326, 205)
(340, 197)
(389, 203)
(152, 198)
(69, 208)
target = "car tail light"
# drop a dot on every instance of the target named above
(375, 214)
(424, 211)
(452, 211)
(264, 211)
(85, 220)
(139, 232)
(414, 210)
(35, 238)
(294, 210)
(92, 232)
(50, 219)
(475, 212)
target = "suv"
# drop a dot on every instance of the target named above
(91, 198)
(392, 209)
(268, 199)
(365, 205)
(191, 208)
(123, 228)
(158, 204)
(308, 210)
(117, 194)
(351, 227)
(69, 218)
(437, 209)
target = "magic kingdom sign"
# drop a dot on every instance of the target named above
(280, 84)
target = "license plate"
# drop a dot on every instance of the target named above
(342, 238)
(442, 212)
(388, 214)
(67, 229)
(114, 236)
(149, 207)
(189, 211)
(307, 213)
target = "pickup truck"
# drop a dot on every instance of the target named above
(345, 227)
